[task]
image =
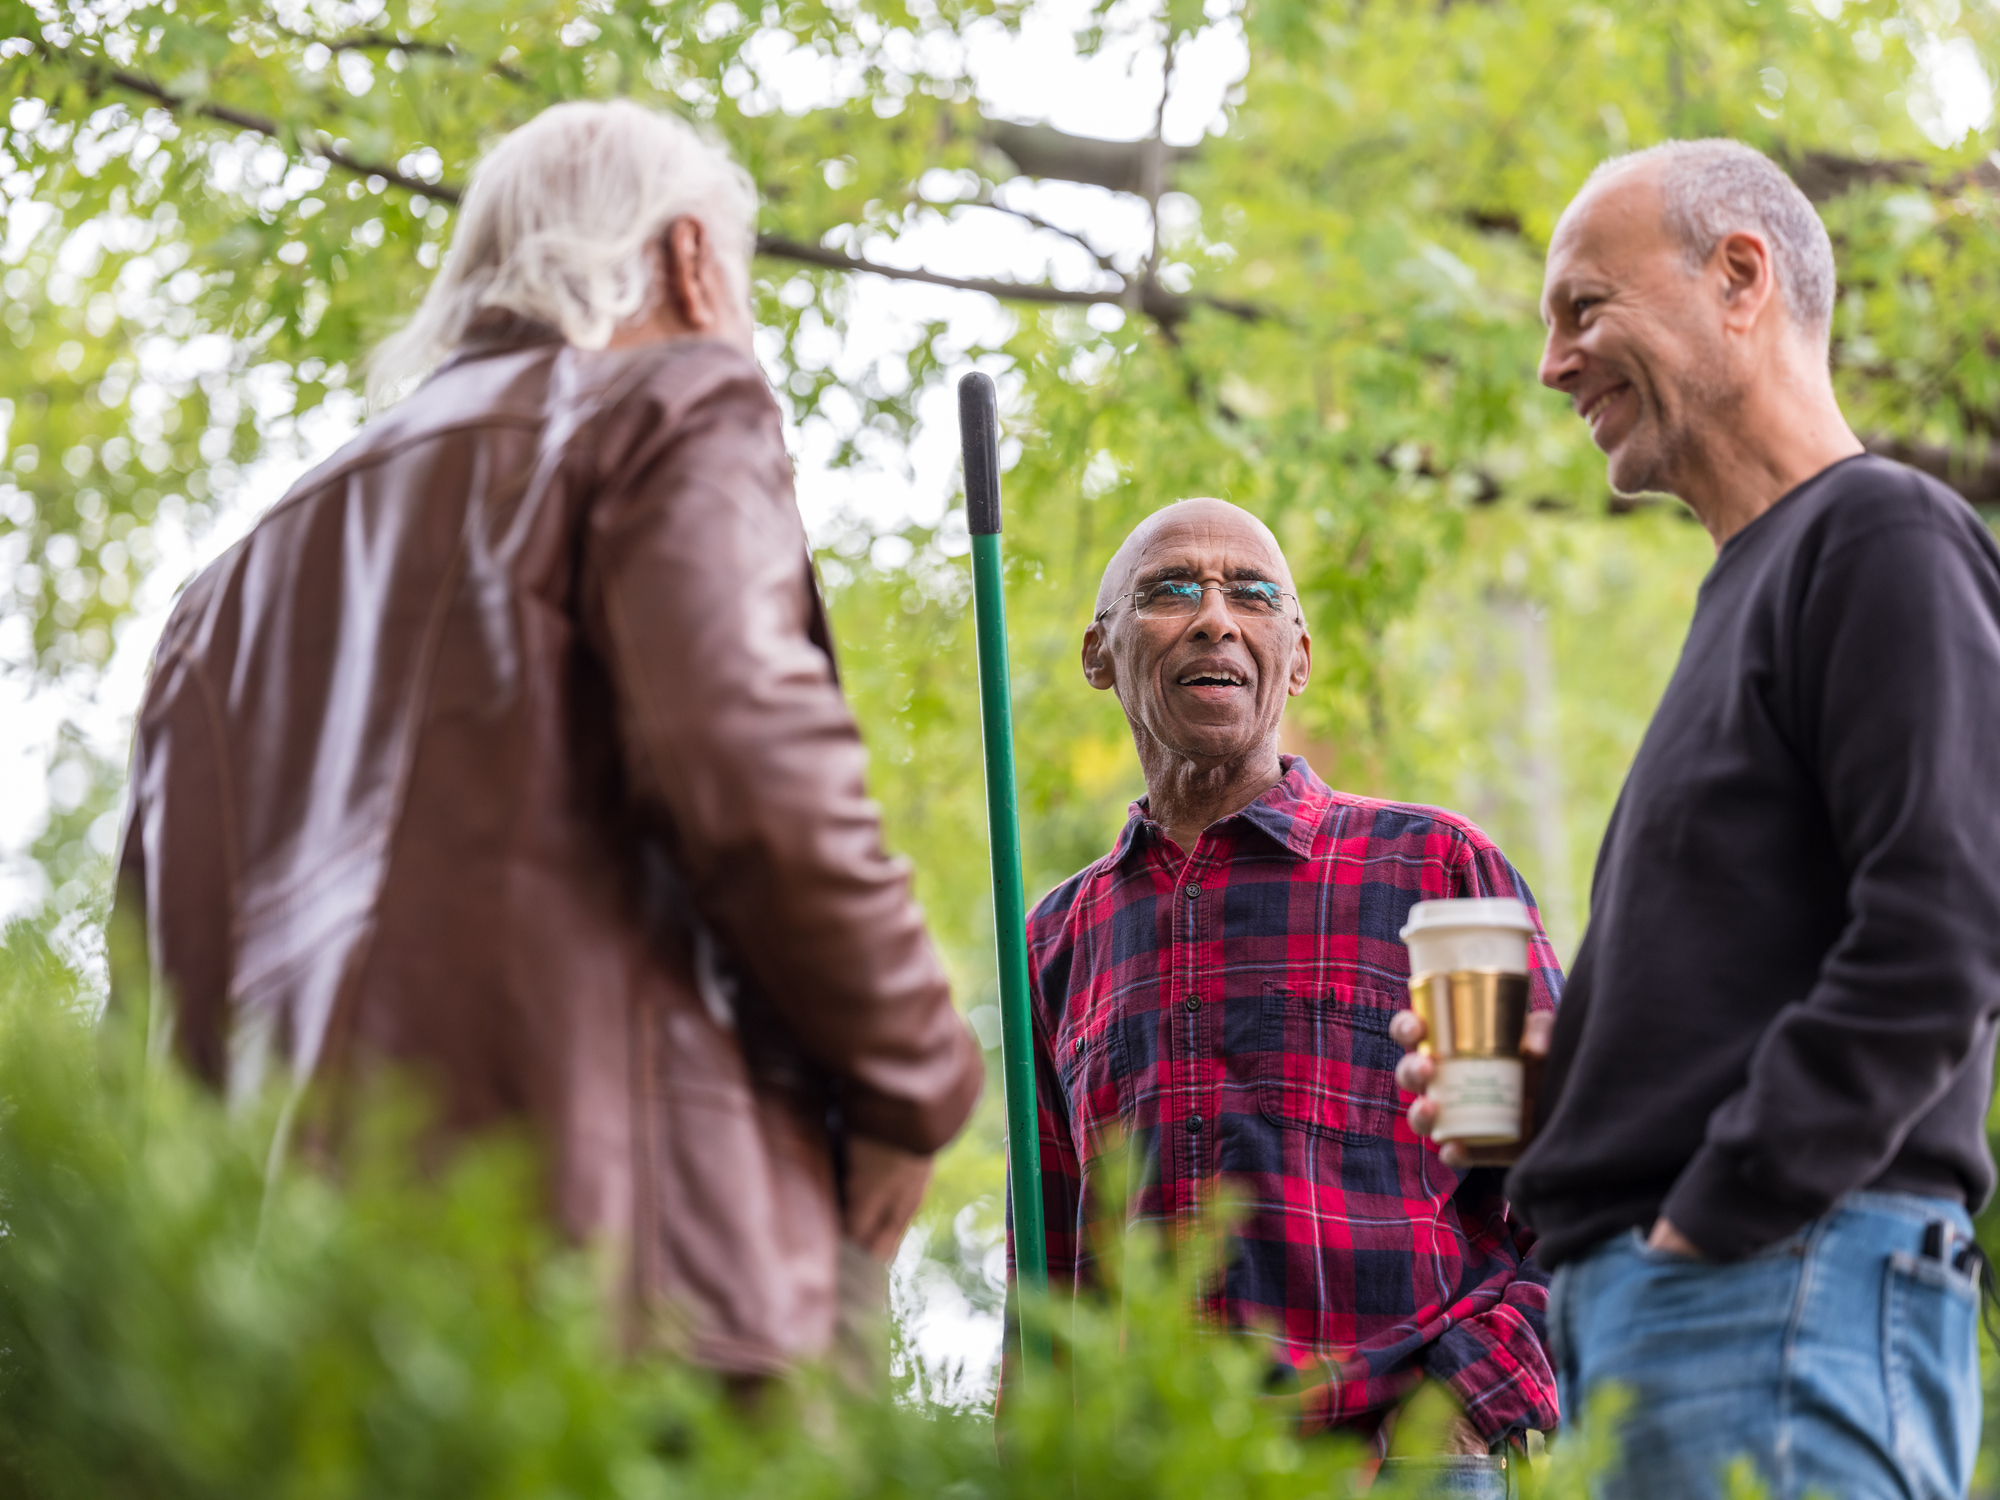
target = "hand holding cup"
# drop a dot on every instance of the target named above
(1472, 1037)
(1416, 1072)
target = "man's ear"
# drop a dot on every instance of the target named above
(691, 278)
(1097, 668)
(1748, 278)
(1302, 664)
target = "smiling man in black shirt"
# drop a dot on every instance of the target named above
(1762, 1123)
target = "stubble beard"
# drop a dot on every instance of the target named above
(1660, 448)
(1646, 462)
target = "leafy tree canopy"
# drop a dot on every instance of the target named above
(214, 208)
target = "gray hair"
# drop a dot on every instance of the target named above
(558, 225)
(1712, 188)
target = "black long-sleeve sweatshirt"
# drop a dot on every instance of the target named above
(1789, 986)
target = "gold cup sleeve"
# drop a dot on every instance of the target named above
(1471, 1012)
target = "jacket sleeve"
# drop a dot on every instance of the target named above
(168, 939)
(739, 744)
(1898, 718)
(128, 947)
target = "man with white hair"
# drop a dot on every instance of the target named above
(1763, 1122)
(506, 753)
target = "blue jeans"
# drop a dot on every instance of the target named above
(1448, 1478)
(1843, 1360)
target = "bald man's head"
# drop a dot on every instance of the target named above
(1688, 286)
(1205, 687)
(1203, 513)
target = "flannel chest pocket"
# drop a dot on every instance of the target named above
(1096, 1084)
(1328, 1066)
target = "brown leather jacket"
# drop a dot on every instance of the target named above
(507, 750)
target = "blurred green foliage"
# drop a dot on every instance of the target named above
(181, 1318)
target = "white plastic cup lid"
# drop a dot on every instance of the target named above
(1469, 911)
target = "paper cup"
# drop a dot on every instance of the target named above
(1477, 932)
(1469, 983)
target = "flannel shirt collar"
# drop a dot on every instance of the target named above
(1289, 814)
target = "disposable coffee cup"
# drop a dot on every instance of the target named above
(1469, 983)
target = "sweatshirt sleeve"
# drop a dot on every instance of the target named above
(1897, 708)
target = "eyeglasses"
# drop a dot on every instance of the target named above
(1248, 599)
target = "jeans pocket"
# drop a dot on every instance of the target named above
(1930, 1356)
(1635, 1241)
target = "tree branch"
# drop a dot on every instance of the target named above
(379, 41)
(1822, 176)
(315, 143)
(1044, 151)
(1976, 478)
(838, 260)
(1165, 307)
(1154, 177)
(1104, 261)
(1032, 150)
(382, 41)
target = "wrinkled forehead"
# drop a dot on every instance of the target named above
(1199, 541)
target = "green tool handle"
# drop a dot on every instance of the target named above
(979, 428)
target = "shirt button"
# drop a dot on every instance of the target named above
(1193, 1003)
(1191, 892)
(1194, 1125)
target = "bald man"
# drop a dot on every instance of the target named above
(1217, 992)
(1763, 1123)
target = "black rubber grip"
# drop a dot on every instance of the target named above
(979, 434)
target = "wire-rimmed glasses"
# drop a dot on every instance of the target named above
(1171, 598)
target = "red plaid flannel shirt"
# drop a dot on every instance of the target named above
(1226, 1014)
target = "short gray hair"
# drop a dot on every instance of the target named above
(558, 225)
(1712, 188)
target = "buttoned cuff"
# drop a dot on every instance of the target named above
(1503, 1394)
